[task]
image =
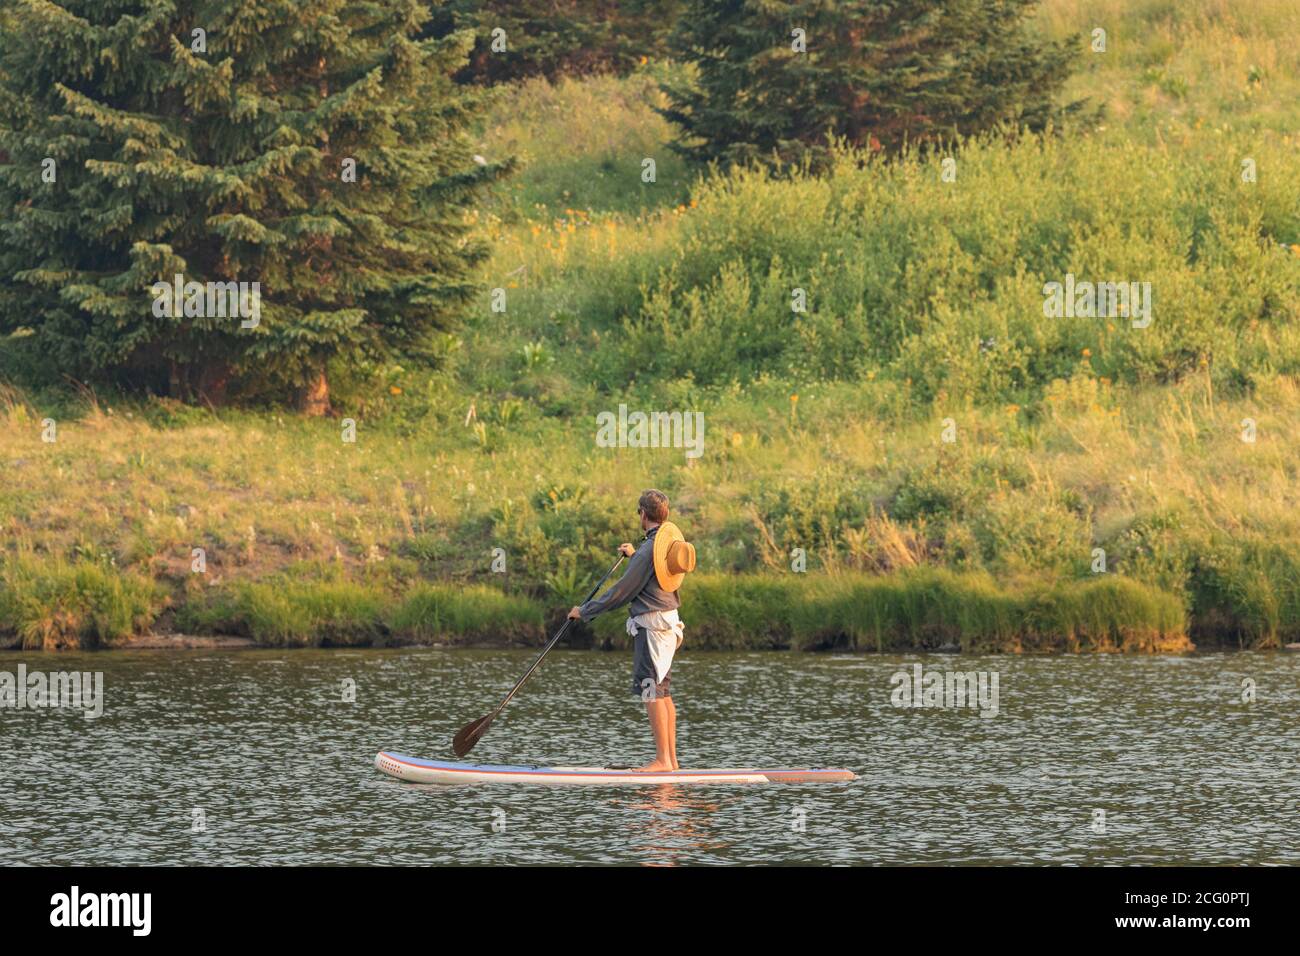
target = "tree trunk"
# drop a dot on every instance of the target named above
(214, 382)
(314, 400)
(175, 381)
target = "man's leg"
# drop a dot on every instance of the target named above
(672, 731)
(657, 711)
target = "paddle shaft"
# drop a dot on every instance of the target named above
(555, 640)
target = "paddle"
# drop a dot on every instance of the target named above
(469, 734)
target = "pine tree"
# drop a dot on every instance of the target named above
(213, 139)
(876, 73)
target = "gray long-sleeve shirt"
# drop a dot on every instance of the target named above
(638, 585)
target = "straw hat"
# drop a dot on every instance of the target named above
(674, 556)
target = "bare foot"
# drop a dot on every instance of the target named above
(655, 766)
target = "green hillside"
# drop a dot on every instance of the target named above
(1172, 446)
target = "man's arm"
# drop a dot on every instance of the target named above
(633, 581)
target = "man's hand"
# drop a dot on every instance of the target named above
(626, 550)
(575, 614)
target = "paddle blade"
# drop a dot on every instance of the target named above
(469, 735)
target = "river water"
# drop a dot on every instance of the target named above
(254, 757)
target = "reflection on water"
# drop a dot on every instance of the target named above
(262, 749)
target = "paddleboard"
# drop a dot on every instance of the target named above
(418, 770)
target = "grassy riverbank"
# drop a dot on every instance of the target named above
(54, 604)
(1171, 451)
(306, 537)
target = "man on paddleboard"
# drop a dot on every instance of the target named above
(649, 586)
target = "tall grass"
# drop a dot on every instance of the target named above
(49, 603)
(926, 608)
(467, 615)
(334, 611)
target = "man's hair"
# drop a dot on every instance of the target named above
(654, 504)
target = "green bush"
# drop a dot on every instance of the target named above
(1248, 588)
(940, 285)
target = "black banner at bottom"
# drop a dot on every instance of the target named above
(411, 906)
